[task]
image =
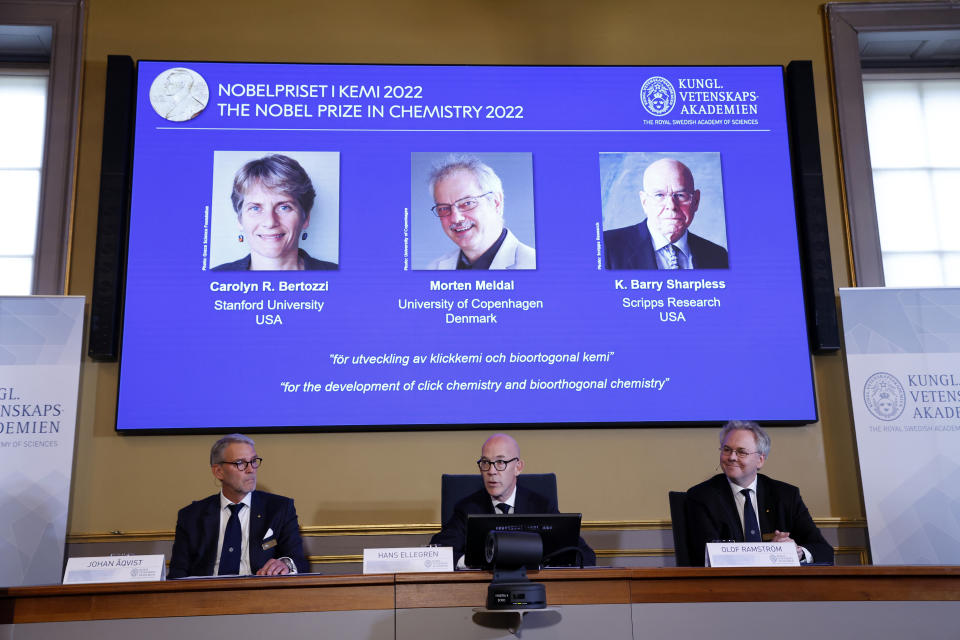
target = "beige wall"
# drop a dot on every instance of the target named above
(138, 483)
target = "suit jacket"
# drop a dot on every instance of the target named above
(198, 529)
(454, 531)
(309, 264)
(513, 254)
(712, 515)
(631, 248)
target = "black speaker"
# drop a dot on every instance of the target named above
(822, 323)
(106, 300)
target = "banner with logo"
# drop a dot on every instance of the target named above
(903, 361)
(40, 343)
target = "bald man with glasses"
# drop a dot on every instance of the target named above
(239, 531)
(661, 241)
(743, 505)
(500, 464)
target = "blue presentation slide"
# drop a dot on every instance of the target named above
(339, 247)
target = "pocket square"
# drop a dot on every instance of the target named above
(269, 542)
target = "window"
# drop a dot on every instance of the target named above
(45, 33)
(887, 219)
(23, 110)
(914, 136)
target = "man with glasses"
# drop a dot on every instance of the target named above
(500, 464)
(239, 531)
(468, 197)
(743, 505)
(661, 241)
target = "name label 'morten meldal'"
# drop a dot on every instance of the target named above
(479, 285)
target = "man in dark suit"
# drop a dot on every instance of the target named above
(500, 464)
(661, 241)
(238, 531)
(745, 506)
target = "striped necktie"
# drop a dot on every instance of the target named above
(671, 253)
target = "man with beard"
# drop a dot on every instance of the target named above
(239, 531)
(468, 197)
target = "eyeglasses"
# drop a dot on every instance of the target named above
(741, 453)
(499, 465)
(681, 197)
(242, 464)
(463, 205)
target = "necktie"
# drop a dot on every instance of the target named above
(751, 527)
(672, 257)
(232, 543)
(504, 507)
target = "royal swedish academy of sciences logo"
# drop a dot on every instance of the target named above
(884, 396)
(658, 96)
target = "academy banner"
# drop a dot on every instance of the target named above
(903, 361)
(40, 342)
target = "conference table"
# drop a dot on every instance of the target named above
(673, 603)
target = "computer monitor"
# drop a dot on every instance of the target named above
(557, 530)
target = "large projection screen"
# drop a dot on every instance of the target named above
(245, 311)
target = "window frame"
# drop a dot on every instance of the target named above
(60, 142)
(846, 20)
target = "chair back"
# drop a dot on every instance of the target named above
(678, 517)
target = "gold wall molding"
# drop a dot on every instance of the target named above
(120, 536)
(369, 529)
(422, 528)
(841, 523)
(344, 559)
(860, 552)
